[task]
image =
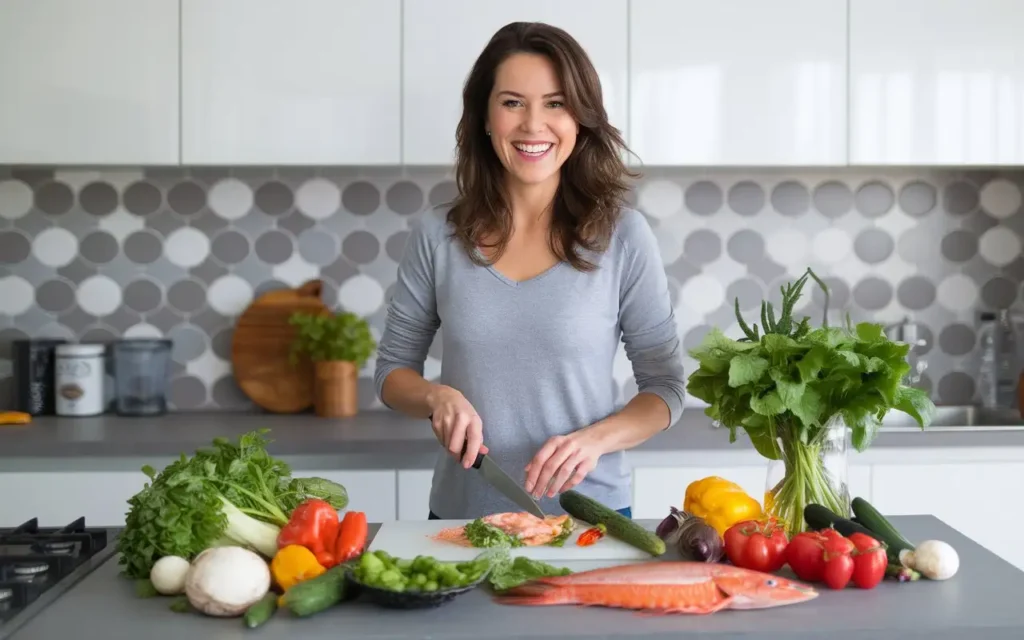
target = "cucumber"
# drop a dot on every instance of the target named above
(882, 528)
(619, 526)
(261, 611)
(819, 517)
(317, 594)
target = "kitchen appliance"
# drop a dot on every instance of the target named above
(504, 483)
(37, 564)
(34, 386)
(410, 538)
(141, 371)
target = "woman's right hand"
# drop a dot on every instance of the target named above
(455, 422)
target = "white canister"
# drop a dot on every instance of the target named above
(80, 371)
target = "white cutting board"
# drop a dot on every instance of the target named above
(410, 538)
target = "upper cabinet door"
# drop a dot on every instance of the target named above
(444, 37)
(936, 82)
(89, 82)
(301, 82)
(738, 82)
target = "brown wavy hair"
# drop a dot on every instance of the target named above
(593, 184)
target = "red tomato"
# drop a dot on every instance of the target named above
(759, 546)
(869, 561)
(805, 555)
(838, 570)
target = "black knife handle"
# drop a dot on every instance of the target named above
(465, 445)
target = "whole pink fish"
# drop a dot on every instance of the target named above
(664, 587)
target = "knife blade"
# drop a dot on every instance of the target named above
(504, 483)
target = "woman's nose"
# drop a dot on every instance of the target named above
(534, 119)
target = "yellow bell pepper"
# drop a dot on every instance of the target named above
(721, 503)
(293, 564)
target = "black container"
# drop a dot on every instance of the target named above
(34, 388)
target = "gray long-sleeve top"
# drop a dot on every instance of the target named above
(535, 357)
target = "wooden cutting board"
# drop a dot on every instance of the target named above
(262, 342)
(410, 538)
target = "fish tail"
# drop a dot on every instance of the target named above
(534, 593)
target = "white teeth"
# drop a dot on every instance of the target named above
(535, 149)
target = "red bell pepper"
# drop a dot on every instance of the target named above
(591, 535)
(314, 525)
(351, 536)
(760, 546)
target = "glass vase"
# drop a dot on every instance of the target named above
(809, 472)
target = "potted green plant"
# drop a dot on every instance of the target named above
(802, 394)
(338, 344)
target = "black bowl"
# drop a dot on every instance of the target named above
(411, 599)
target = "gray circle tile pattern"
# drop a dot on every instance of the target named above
(957, 339)
(318, 247)
(143, 247)
(745, 246)
(873, 245)
(404, 198)
(957, 387)
(274, 247)
(960, 198)
(14, 247)
(874, 199)
(142, 198)
(833, 199)
(274, 198)
(394, 246)
(916, 293)
(221, 343)
(746, 198)
(143, 296)
(702, 247)
(361, 198)
(230, 247)
(186, 296)
(188, 392)
(959, 246)
(703, 198)
(749, 292)
(872, 293)
(694, 336)
(361, 247)
(999, 293)
(918, 198)
(189, 343)
(442, 193)
(98, 247)
(54, 198)
(55, 296)
(98, 198)
(791, 198)
(838, 293)
(186, 198)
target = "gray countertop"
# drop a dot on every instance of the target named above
(981, 602)
(387, 440)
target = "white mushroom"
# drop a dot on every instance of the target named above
(225, 581)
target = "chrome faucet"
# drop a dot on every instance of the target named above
(906, 331)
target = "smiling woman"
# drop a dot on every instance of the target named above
(537, 270)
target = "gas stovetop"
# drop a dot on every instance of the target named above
(34, 560)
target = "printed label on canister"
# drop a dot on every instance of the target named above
(79, 384)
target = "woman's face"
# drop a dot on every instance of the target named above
(531, 130)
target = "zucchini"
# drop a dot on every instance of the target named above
(319, 593)
(261, 611)
(619, 526)
(875, 521)
(818, 517)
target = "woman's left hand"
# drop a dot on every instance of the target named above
(562, 463)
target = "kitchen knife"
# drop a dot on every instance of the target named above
(504, 483)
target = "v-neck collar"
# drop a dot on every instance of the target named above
(518, 284)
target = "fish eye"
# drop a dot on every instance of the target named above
(771, 582)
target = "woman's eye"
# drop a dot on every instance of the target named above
(556, 104)
(510, 103)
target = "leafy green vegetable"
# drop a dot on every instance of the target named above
(787, 384)
(231, 493)
(507, 572)
(481, 534)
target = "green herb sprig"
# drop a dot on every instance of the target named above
(332, 337)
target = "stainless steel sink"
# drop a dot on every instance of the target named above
(958, 418)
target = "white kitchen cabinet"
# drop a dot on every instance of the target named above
(372, 492)
(414, 493)
(442, 39)
(980, 500)
(59, 498)
(304, 82)
(89, 82)
(738, 82)
(936, 82)
(657, 488)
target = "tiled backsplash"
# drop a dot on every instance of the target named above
(93, 255)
